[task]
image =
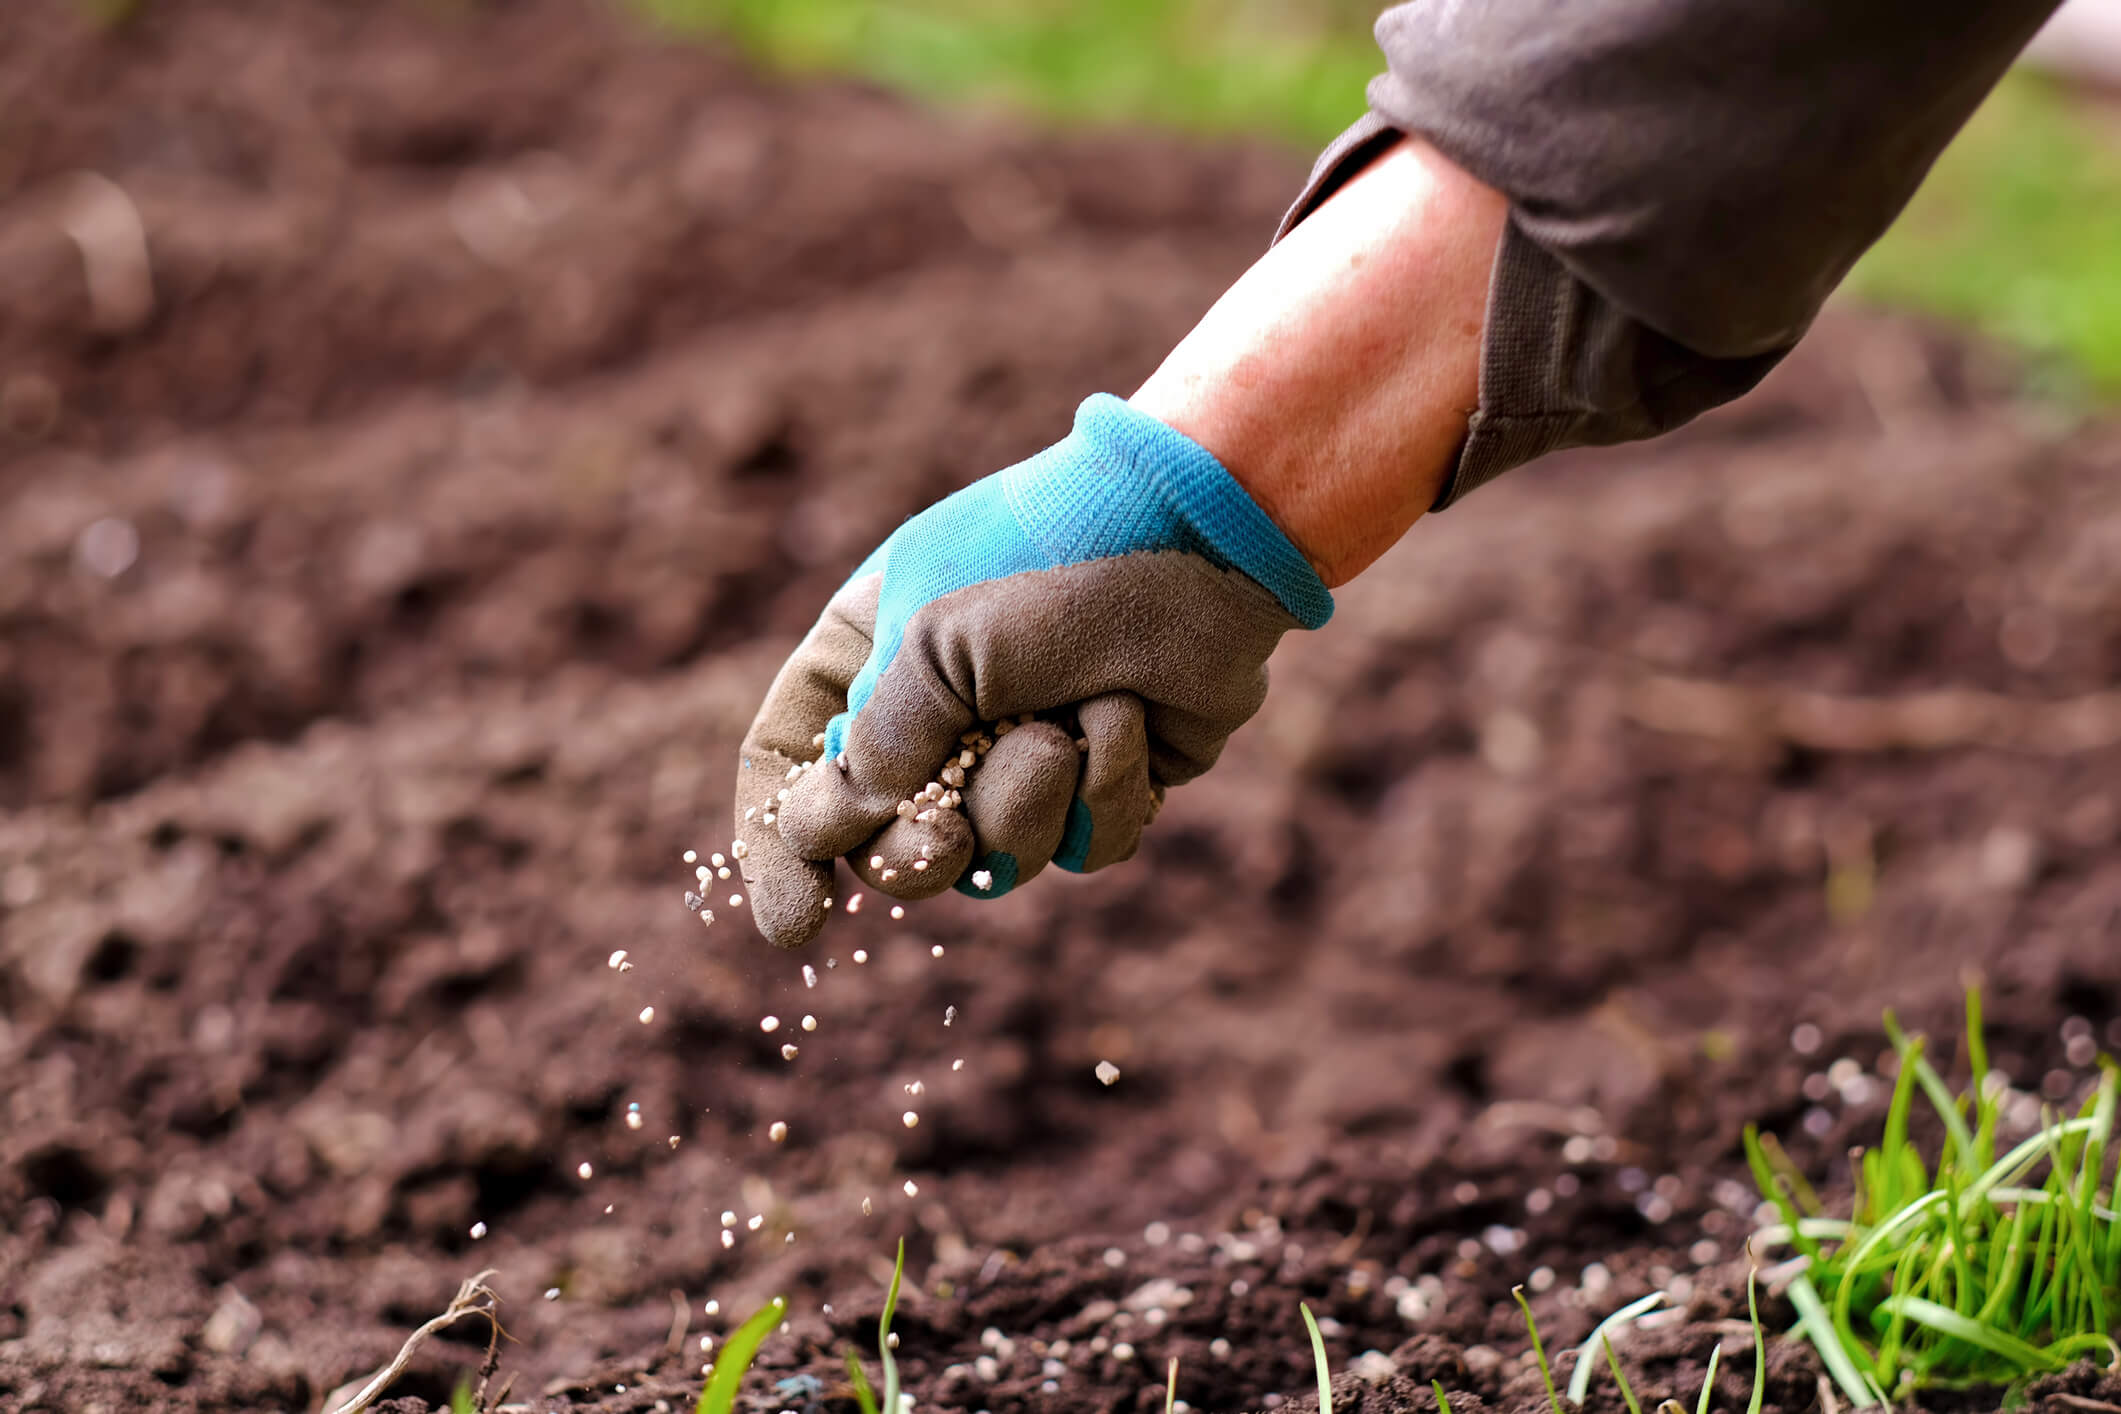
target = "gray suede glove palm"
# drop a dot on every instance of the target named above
(1017, 675)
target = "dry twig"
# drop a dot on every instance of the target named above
(467, 1302)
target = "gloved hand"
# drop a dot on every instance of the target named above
(1119, 586)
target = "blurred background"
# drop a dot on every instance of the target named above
(2015, 233)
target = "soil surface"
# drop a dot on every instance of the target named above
(423, 428)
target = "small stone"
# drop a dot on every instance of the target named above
(552, 1293)
(788, 1051)
(1107, 1072)
(694, 902)
(982, 880)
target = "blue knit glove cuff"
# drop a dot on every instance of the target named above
(1122, 481)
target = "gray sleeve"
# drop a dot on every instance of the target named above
(1688, 181)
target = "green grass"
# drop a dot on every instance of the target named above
(1975, 1268)
(2014, 233)
(742, 1347)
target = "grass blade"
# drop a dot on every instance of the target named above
(1601, 1334)
(1613, 1362)
(1318, 1353)
(1171, 1388)
(883, 1332)
(1944, 1319)
(1443, 1401)
(1708, 1381)
(1819, 1329)
(864, 1396)
(742, 1347)
(1752, 1306)
(1539, 1351)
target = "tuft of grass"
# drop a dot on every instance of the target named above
(1970, 1269)
(742, 1347)
(1318, 1355)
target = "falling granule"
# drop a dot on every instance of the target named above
(854, 905)
(647, 1015)
(911, 1188)
(633, 1119)
(728, 1238)
(897, 911)
(706, 1344)
(552, 1293)
(910, 1119)
(728, 1218)
(788, 1051)
(755, 1221)
(769, 1023)
(789, 1240)
(982, 880)
(736, 900)
(608, 1207)
(809, 975)
(615, 959)
(861, 955)
(673, 1141)
(722, 873)
(692, 856)
(739, 850)
(778, 1131)
(1107, 1072)
(706, 921)
(949, 1015)
(936, 951)
(712, 1308)
(958, 1064)
(892, 1340)
(584, 1171)
(703, 873)
(867, 1207)
(716, 859)
(478, 1230)
(914, 1087)
(876, 861)
(810, 1023)
(694, 902)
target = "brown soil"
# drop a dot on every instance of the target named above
(515, 388)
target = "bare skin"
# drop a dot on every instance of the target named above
(1335, 378)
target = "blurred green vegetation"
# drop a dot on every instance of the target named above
(2017, 232)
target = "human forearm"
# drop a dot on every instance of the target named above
(1334, 379)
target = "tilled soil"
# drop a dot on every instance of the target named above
(383, 600)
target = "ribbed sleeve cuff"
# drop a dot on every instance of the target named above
(1203, 493)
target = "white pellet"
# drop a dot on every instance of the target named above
(736, 900)
(914, 1087)
(769, 1024)
(788, 1051)
(876, 861)
(982, 880)
(911, 1188)
(897, 911)
(615, 959)
(633, 1119)
(728, 1238)
(810, 1023)
(909, 1119)
(920, 866)
(958, 1064)
(777, 1131)
(478, 1230)
(647, 1015)
(716, 859)
(861, 955)
(755, 1221)
(854, 904)
(1107, 1071)
(583, 1170)
(936, 951)
(552, 1293)
(728, 1218)
(809, 972)
(888, 875)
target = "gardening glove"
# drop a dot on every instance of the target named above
(1068, 638)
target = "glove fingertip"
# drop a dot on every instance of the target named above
(998, 867)
(1074, 852)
